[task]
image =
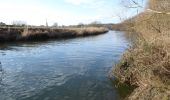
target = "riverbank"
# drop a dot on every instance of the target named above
(146, 65)
(8, 34)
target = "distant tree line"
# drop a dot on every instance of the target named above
(18, 23)
(14, 24)
(2, 24)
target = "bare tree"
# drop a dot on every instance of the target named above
(95, 24)
(2, 24)
(19, 23)
(55, 24)
(80, 25)
(130, 7)
(133, 3)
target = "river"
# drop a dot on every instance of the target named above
(71, 69)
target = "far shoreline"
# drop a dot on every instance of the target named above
(11, 34)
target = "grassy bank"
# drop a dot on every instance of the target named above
(25, 34)
(146, 65)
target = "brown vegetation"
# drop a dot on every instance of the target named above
(147, 64)
(24, 34)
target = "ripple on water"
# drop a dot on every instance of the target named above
(73, 69)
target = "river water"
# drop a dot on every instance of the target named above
(72, 69)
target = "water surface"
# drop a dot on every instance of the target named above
(72, 69)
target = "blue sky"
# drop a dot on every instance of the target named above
(64, 12)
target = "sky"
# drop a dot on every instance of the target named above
(63, 12)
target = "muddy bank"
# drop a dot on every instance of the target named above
(28, 34)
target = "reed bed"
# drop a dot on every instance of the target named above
(25, 34)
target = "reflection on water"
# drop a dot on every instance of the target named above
(1, 73)
(73, 69)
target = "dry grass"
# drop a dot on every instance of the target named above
(17, 34)
(147, 64)
(160, 5)
(89, 30)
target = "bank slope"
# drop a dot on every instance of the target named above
(146, 65)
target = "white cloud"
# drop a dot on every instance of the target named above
(79, 2)
(30, 13)
(36, 14)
